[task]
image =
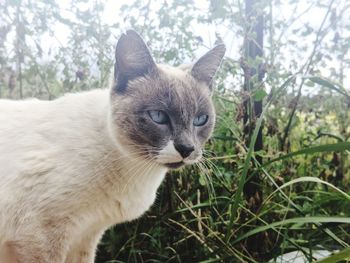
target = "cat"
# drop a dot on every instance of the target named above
(72, 167)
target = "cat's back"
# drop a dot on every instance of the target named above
(34, 115)
(33, 131)
(34, 110)
(19, 120)
(16, 114)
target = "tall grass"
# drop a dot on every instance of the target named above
(200, 215)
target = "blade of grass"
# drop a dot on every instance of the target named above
(298, 220)
(237, 197)
(298, 209)
(312, 179)
(336, 147)
(336, 257)
(329, 84)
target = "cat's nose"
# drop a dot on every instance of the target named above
(184, 149)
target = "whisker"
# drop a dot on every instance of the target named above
(202, 166)
(145, 166)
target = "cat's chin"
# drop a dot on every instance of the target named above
(176, 165)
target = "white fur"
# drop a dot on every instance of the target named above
(63, 180)
(169, 154)
(194, 158)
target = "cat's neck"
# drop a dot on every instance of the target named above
(90, 144)
(123, 185)
(126, 186)
(127, 172)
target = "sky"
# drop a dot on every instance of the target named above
(112, 8)
(313, 17)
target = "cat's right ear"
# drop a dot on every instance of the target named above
(205, 68)
(132, 59)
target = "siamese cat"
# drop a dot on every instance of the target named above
(72, 167)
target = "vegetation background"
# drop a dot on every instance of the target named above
(276, 174)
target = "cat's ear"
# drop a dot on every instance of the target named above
(205, 68)
(132, 59)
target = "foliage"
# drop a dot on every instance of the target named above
(200, 214)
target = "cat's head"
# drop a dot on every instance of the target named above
(161, 113)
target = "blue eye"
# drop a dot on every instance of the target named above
(200, 120)
(159, 116)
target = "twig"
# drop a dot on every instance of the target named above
(306, 66)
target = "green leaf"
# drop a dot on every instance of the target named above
(329, 84)
(201, 180)
(314, 180)
(336, 257)
(336, 147)
(297, 220)
(310, 84)
(259, 94)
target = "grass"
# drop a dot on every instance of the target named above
(200, 215)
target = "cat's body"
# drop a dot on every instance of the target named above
(72, 167)
(75, 179)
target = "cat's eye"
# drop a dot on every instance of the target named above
(159, 116)
(200, 120)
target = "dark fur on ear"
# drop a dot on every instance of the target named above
(205, 68)
(132, 60)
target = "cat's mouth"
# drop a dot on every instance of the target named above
(175, 165)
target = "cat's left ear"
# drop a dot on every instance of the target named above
(132, 60)
(205, 68)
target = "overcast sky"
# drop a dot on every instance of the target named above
(284, 12)
(313, 17)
